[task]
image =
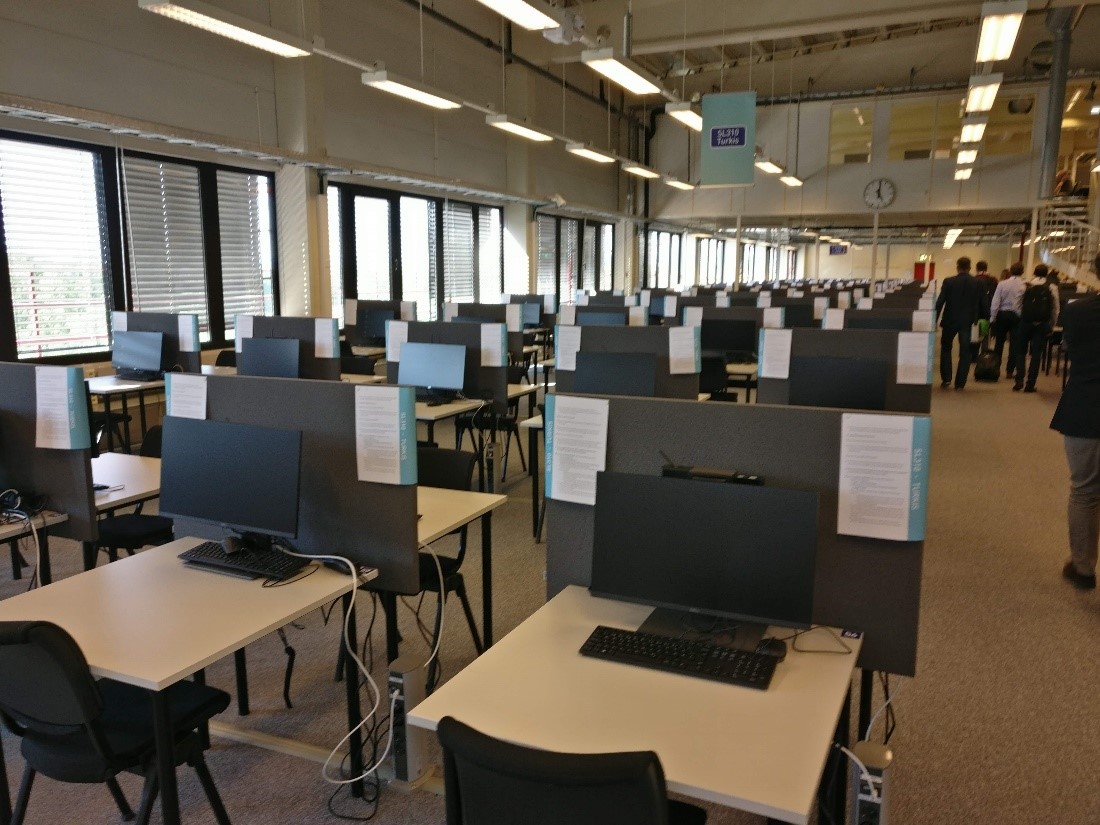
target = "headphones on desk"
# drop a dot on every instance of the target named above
(10, 500)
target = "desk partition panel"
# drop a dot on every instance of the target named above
(64, 477)
(374, 524)
(305, 330)
(865, 584)
(182, 350)
(652, 340)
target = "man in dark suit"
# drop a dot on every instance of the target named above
(1078, 420)
(959, 307)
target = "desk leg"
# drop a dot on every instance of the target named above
(351, 687)
(165, 759)
(141, 414)
(393, 637)
(240, 666)
(109, 428)
(199, 678)
(45, 574)
(431, 432)
(125, 424)
(89, 551)
(5, 795)
(835, 797)
(533, 467)
(487, 579)
(866, 696)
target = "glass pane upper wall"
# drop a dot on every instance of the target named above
(850, 131)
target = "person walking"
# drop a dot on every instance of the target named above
(1004, 315)
(987, 285)
(958, 308)
(1038, 317)
(1077, 418)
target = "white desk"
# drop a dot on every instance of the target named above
(758, 751)
(432, 414)
(350, 377)
(370, 352)
(149, 621)
(138, 475)
(110, 386)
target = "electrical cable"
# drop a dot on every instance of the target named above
(22, 516)
(887, 708)
(866, 774)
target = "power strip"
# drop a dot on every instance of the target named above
(870, 791)
(410, 744)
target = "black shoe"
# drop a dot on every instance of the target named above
(960, 388)
(1078, 580)
(1029, 389)
(1017, 387)
(945, 385)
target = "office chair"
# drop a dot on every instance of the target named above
(712, 377)
(99, 421)
(452, 470)
(80, 730)
(491, 782)
(226, 358)
(490, 421)
(132, 531)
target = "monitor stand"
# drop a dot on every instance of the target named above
(247, 542)
(715, 630)
(434, 397)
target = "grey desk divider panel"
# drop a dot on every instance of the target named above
(63, 476)
(882, 318)
(338, 514)
(873, 344)
(635, 339)
(742, 313)
(304, 329)
(168, 324)
(862, 584)
(495, 314)
(489, 381)
(350, 331)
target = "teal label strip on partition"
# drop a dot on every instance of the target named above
(698, 348)
(61, 409)
(406, 424)
(918, 483)
(728, 140)
(548, 443)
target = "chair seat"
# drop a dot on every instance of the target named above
(429, 576)
(126, 726)
(132, 531)
(681, 813)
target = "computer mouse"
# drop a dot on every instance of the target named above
(773, 647)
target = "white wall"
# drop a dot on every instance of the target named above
(902, 257)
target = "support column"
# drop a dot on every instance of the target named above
(1058, 23)
(737, 255)
(874, 249)
(1030, 265)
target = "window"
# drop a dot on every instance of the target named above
(244, 221)
(569, 267)
(54, 222)
(710, 261)
(490, 254)
(850, 130)
(418, 257)
(372, 248)
(458, 253)
(336, 254)
(546, 279)
(589, 278)
(607, 257)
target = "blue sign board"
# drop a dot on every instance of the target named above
(729, 148)
(727, 136)
(838, 249)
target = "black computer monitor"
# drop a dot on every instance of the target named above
(370, 324)
(601, 319)
(856, 319)
(473, 319)
(437, 369)
(737, 339)
(239, 476)
(847, 383)
(732, 551)
(270, 357)
(616, 373)
(138, 352)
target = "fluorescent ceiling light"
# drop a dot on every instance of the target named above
(967, 155)
(387, 82)
(640, 171)
(1095, 110)
(790, 180)
(678, 184)
(964, 172)
(982, 92)
(519, 130)
(1000, 25)
(621, 71)
(526, 13)
(216, 21)
(686, 114)
(1073, 100)
(769, 166)
(951, 237)
(588, 152)
(973, 128)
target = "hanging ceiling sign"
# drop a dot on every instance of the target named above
(729, 139)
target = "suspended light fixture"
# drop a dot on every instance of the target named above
(790, 180)
(621, 71)
(1000, 26)
(964, 172)
(951, 237)
(506, 124)
(686, 114)
(532, 15)
(640, 171)
(675, 183)
(982, 92)
(768, 166)
(388, 82)
(973, 128)
(968, 153)
(216, 21)
(585, 151)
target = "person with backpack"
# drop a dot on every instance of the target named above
(1078, 420)
(1004, 315)
(1038, 317)
(959, 307)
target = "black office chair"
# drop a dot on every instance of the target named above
(76, 729)
(132, 531)
(226, 358)
(491, 422)
(452, 470)
(491, 782)
(712, 377)
(99, 421)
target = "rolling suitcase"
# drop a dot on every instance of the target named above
(986, 366)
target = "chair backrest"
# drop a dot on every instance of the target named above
(450, 469)
(490, 782)
(226, 358)
(150, 445)
(45, 683)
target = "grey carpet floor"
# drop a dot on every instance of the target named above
(1001, 724)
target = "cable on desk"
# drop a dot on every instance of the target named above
(794, 637)
(28, 517)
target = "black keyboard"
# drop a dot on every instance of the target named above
(685, 656)
(253, 564)
(139, 375)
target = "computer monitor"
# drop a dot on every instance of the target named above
(439, 369)
(730, 552)
(370, 324)
(799, 316)
(239, 476)
(857, 319)
(138, 353)
(657, 306)
(270, 357)
(616, 373)
(601, 319)
(847, 383)
(531, 314)
(737, 339)
(473, 319)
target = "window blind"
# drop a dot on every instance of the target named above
(546, 273)
(490, 282)
(248, 270)
(458, 252)
(336, 255)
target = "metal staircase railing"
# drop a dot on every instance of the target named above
(1066, 241)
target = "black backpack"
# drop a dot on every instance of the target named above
(1038, 305)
